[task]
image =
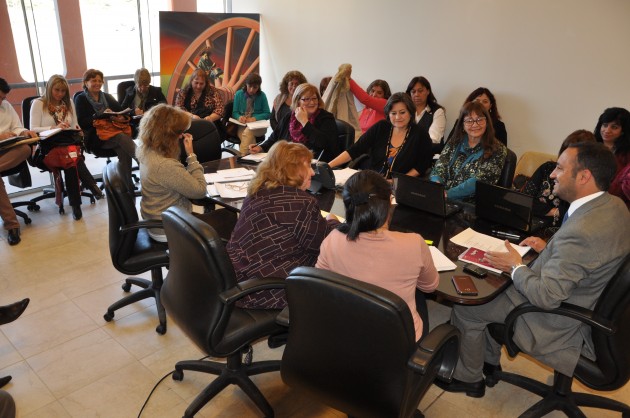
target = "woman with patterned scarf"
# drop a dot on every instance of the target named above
(307, 123)
(55, 110)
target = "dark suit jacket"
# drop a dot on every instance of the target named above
(154, 96)
(575, 267)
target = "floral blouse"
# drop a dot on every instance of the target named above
(459, 167)
(540, 186)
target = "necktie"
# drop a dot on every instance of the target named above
(566, 216)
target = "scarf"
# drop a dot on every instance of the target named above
(59, 112)
(295, 127)
(98, 106)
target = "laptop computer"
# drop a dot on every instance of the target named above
(501, 207)
(423, 194)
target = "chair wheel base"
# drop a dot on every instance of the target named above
(178, 375)
(33, 208)
(126, 287)
(161, 329)
(108, 316)
(28, 221)
(62, 211)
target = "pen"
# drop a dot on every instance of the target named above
(506, 235)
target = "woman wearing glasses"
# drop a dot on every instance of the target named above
(308, 124)
(472, 154)
(165, 180)
(396, 145)
(280, 226)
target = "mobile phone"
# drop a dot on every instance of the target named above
(464, 286)
(475, 270)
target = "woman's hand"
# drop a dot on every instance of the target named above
(138, 111)
(63, 125)
(301, 115)
(119, 118)
(188, 143)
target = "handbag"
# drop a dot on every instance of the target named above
(63, 157)
(107, 128)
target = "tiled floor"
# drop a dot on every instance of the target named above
(66, 361)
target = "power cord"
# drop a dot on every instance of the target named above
(156, 385)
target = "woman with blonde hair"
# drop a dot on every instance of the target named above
(55, 110)
(280, 226)
(165, 180)
(307, 123)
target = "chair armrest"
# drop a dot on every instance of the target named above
(586, 316)
(231, 151)
(283, 317)
(354, 163)
(442, 341)
(145, 223)
(251, 286)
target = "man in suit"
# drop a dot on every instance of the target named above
(573, 267)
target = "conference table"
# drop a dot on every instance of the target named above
(405, 219)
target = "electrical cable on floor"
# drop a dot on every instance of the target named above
(156, 385)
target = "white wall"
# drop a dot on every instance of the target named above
(553, 65)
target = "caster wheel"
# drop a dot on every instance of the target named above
(33, 208)
(28, 221)
(92, 201)
(108, 316)
(178, 375)
(126, 287)
(61, 211)
(161, 329)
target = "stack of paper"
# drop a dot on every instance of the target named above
(230, 175)
(471, 238)
(442, 263)
(341, 176)
(259, 124)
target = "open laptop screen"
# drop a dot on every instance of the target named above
(503, 206)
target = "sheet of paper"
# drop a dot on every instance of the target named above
(236, 122)
(212, 190)
(471, 238)
(234, 190)
(255, 157)
(259, 124)
(442, 263)
(324, 214)
(341, 176)
(232, 174)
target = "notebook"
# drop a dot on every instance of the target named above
(501, 207)
(422, 194)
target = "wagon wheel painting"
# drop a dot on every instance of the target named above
(232, 78)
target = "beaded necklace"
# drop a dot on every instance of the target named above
(387, 168)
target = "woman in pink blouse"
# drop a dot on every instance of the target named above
(364, 249)
(374, 99)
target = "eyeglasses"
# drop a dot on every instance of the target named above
(309, 99)
(237, 187)
(479, 121)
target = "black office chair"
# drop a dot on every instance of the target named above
(121, 89)
(47, 192)
(199, 294)
(507, 173)
(206, 142)
(352, 346)
(345, 133)
(610, 332)
(20, 176)
(131, 249)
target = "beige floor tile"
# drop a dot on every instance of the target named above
(28, 390)
(120, 394)
(48, 328)
(80, 361)
(8, 354)
(52, 410)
